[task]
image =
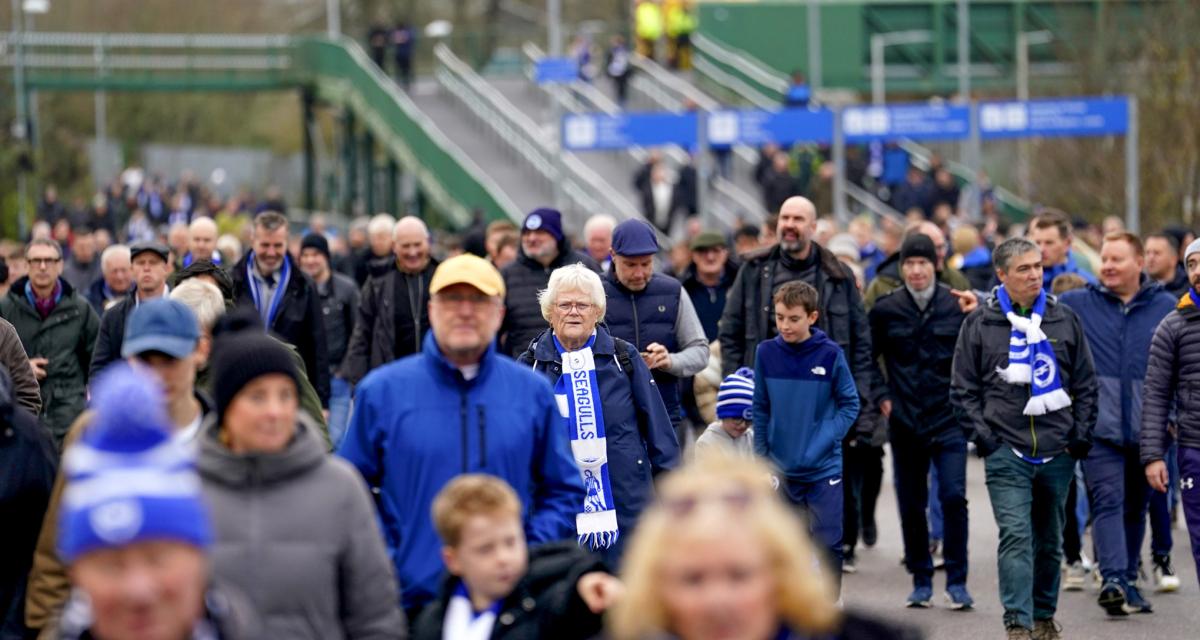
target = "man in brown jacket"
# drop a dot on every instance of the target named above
(12, 356)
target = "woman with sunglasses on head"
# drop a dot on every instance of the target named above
(621, 435)
(684, 579)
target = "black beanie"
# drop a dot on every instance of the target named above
(918, 245)
(318, 242)
(242, 356)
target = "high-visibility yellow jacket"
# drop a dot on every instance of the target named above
(680, 19)
(648, 21)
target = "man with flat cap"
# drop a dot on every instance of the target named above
(650, 311)
(151, 266)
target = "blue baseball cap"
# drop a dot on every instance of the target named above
(163, 325)
(634, 238)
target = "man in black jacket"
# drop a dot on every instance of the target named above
(544, 248)
(339, 305)
(393, 312)
(150, 271)
(285, 298)
(1029, 446)
(914, 329)
(1172, 373)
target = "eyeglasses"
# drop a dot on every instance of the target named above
(474, 299)
(43, 262)
(567, 307)
(735, 500)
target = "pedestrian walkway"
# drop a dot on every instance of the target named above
(881, 584)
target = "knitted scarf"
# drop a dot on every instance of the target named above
(578, 396)
(1031, 358)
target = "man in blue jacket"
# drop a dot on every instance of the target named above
(1119, 317)
(459, 407)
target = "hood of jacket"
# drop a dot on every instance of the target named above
(17, 290)
(816, 342)
(219, 464)
(443, 368)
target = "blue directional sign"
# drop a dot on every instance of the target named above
(917, 121)
(595, 132)
(1066, 117)
(556, 71)
(757, 126)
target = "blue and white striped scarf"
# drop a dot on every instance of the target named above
(578, 396)
(1031, 358)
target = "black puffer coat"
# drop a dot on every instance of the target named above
(1172, 380)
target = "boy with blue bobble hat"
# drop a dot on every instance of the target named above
(733, 430)
(133, 526)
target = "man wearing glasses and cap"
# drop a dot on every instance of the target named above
(458, 407)
(150, 270)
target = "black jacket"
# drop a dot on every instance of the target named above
(544, 604)
(917, 350)
(299, 321)
(28, 461)
(709, 303)
(1172, 383)
(339, 305)
(992, 410)
(1180, 284)
(96, 295)
(523, 279)
(386, 326)
(749, 315)
(112, 333)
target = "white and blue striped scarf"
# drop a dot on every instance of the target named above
(1031, 358)
(578, 396)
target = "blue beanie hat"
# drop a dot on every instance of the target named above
(127, 479)
(735, 398)
(544, 219)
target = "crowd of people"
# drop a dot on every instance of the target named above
(516, 431)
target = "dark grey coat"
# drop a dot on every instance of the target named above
(296, 531)
(1172, 382)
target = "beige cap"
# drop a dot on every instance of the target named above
(468, 269)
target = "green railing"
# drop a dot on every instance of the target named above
(336, 71)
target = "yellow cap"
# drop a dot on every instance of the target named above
(468, 269)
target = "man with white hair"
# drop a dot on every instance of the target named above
(380, 335)
(116, 270)
(178, 239)
(597, 234)
(375, 258)
(202, 242)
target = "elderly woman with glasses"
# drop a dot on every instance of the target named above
(721, 556)
(621, 435)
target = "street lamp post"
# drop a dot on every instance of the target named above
(1025, 39)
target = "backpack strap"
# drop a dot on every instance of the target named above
(623, 359)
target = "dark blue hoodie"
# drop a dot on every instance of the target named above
(804, 403)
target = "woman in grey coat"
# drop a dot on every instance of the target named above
(295, 528)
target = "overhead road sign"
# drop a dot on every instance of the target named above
(597, 132)
(916, 121)
(759, 126)
(1054, 117)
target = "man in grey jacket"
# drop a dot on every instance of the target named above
(1028, 437)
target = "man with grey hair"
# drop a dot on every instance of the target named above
(1024, 388)
(597, 236)
(268, 279)
(376, 257)
(202, 242)
(116, 271)
(393, 310)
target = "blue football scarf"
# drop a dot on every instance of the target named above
(1031, 358)
(285, 274)
(578, 396)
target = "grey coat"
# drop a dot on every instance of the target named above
(1172, 385)
(296, 531)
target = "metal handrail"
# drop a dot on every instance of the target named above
(871, 203)
(921, 157)
(754, 69)
(151, 40)
(153, 62)
(752, 95)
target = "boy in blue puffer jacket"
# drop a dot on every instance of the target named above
(805, 401)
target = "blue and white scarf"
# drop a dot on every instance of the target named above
(268, 314)
(578, 396)
(1031, 358)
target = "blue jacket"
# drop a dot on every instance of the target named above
(1119, 336)
(805, 401)
(417, 424)
(1070, 266)
(640, 439)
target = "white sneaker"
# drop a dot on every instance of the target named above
(1165, 580)
(1074, 577)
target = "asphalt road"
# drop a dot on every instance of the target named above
(881, 584)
